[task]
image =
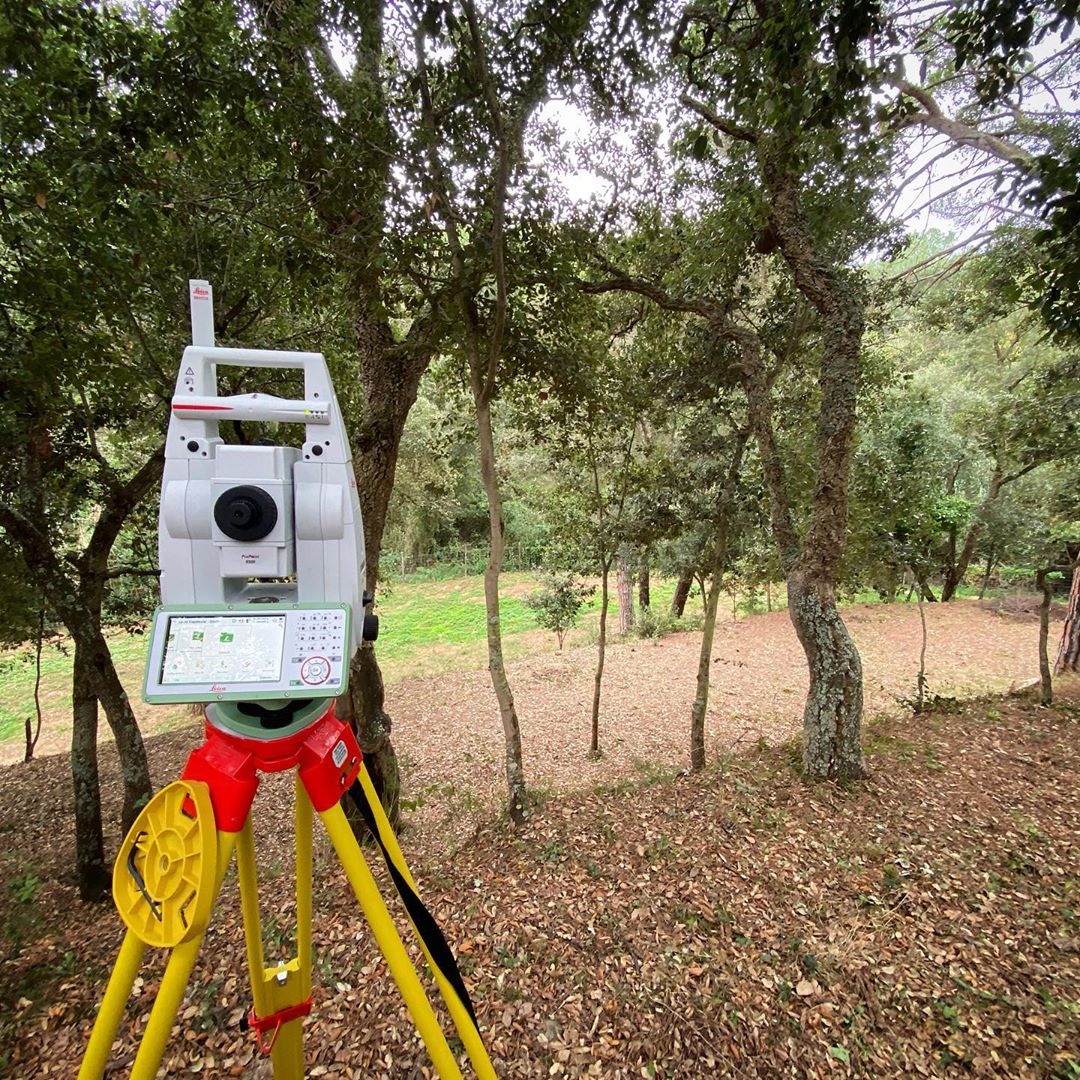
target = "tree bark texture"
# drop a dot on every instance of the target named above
(832, 719)
(90, 868)
(391, 379)
(831, 729)
(515, 770)
(682, 591)
(601, 648)
(624, 584)
(1046, 686)
(1069, 650)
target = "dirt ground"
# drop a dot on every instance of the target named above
(736, 923)
(450, 739)
(642, 924)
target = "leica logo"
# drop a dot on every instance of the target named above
(200, 293)
(218, 689)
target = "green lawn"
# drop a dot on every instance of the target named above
(426, 627)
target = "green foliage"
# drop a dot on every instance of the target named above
(557, 602)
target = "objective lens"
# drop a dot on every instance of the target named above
(246, 513)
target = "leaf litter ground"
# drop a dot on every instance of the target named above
(741, 923)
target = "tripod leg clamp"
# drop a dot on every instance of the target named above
(273, 1022)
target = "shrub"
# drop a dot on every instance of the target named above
(557, 602)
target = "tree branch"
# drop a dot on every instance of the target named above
(728, 127)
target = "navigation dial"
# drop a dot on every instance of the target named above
(315, 670)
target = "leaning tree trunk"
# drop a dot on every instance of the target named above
(682, 591)
(601, 650)
(954, 573)
(515, 770)
(106, 685)
(1069, 650)
(701, 698)
(831, 719)
(1046, 686)
(90, 868)
(624, 584)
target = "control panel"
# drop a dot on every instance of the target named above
(248, 652)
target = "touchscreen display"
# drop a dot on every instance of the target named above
(223, 649)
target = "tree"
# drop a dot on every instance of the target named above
(789, 91)
(107, 208)
(476, 98)
(991, 139)
(557, 602)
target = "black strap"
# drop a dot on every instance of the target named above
(425, 924)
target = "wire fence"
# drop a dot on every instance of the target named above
(454, 560)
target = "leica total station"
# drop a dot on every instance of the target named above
(262, 583)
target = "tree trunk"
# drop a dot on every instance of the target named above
(831, 720)
(643, 580)
(365, 701)
(390, 376)
(109, 692)
(922, 585)
(33, 727)
(90, 868)
(515, 771)
(986, 575)
(624, 583)
(1046, 686)
(954, 573)
(1069, 649)
(920, 679)
(701, 698)
(682, 591)
(601, 646)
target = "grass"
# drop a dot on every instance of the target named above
(428, 626)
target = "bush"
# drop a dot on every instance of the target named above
(557, 602)
(653, 624)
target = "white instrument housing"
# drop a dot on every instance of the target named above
(315, 551)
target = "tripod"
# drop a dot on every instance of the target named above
(171, 866)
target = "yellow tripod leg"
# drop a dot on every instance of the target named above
(171, 992)
(382, 926)
(470, 1037)
(288, 984)
(112, 1008)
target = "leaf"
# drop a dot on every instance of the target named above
(41, 199)
(700, 146)
(804, 988)
(840, 1053)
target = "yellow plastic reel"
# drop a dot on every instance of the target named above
(163, 880)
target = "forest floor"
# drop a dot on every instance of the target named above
(643, 922)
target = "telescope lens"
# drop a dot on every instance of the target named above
(245, 513)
